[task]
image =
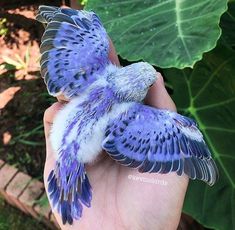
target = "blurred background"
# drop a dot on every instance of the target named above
(24, 98)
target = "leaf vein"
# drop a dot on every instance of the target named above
(178, 22)
(220, 129)
(137, 13)
(216, 104)
(139, 22)
(211, 78)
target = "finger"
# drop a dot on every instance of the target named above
(158, 96)
(112, 54)
(49, 116)
(62, 99)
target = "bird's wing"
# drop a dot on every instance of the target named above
(74, 49)
(155, 140)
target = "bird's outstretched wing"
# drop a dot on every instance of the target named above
(155, 140)
(74, 49)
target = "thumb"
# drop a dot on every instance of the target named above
(158, 96)
(49, 116)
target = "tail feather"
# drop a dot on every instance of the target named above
(68, 189)
(46, 13)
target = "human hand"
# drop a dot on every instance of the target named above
(123, 198)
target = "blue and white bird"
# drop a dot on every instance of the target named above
(105, 112)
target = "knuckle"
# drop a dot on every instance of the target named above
(51, 111)
(160, 78)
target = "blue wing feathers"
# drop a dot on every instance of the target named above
(46, 13)
(74, 50)
(160, 141)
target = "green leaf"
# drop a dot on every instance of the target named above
(27, 56)
(228, 25)
(32, 143)
(12, 62)
(166, 33)
(7, 67)
(207, 93)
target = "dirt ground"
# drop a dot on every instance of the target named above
(23, 95)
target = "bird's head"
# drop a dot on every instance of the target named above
(132, 82)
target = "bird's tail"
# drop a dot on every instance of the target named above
(46, 13)
(69, 189)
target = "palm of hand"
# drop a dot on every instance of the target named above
(120, 201)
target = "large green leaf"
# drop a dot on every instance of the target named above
(228, 25)
(207, 93)
(166, 33)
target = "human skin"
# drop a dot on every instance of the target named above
(119, 201)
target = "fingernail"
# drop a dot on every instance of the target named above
(158, 75)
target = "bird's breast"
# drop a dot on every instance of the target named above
(79, 130)
(92, 135)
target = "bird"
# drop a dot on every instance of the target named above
(106, 111)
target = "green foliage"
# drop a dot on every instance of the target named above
(166, 33)
(13, 219)
(228, 22)
(176, 33)
(82, 2)
(207, 94)
(25, 137)
(17, 63)
(43, 202)
(3, 28)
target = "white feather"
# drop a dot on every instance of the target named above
(192, 133)
(90, 146)
(68, 114)
(91, 136)
(61, 121)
